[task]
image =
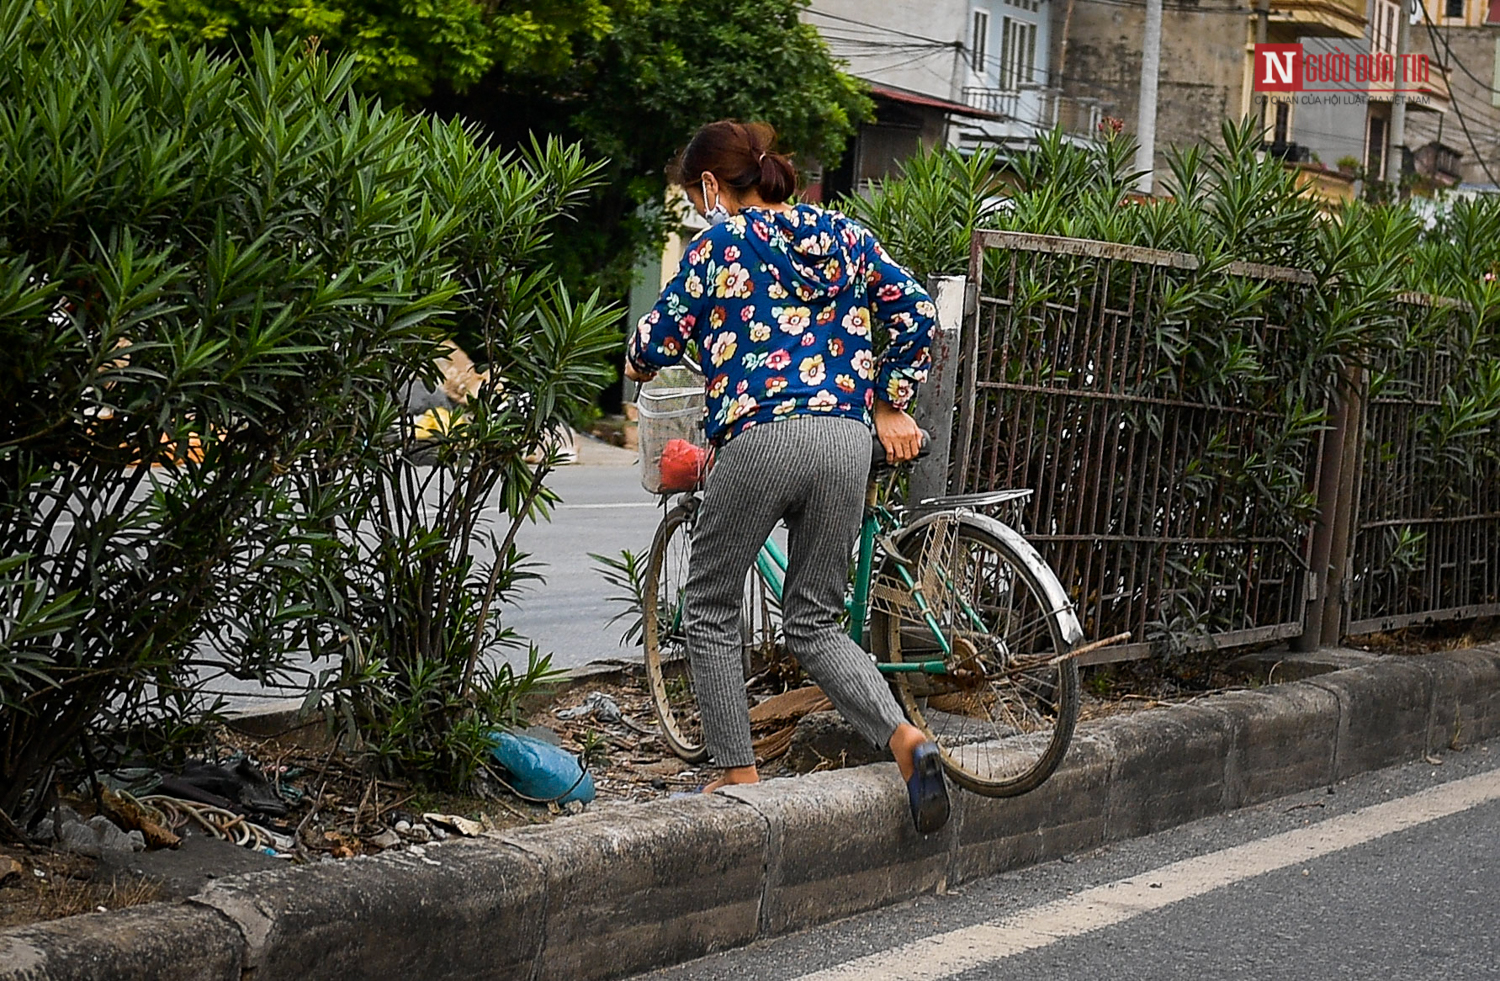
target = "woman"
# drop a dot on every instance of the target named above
(780, 301)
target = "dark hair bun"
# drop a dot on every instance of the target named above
(740, 155)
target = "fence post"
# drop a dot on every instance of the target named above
(1338, 477)
(936, 405)
(1346, 517)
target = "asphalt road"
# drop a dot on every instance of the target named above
(603, 510)
(567, 614)
(1393, 874)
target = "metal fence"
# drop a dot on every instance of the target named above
(1149, 503)
(1426, 545)
(1183, 501)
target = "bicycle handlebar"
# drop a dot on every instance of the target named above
(877, 449)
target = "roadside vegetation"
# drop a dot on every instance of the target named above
(1413, 302)
(218, 278)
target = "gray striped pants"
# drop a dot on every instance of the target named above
(810, 471)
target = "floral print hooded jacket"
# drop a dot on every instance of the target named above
(781, 305)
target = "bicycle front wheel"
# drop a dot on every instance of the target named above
(669, 674)
(1003, 713)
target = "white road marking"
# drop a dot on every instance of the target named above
(947, 954)
(598, 507)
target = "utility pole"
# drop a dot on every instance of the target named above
(1394, 160)
(1145, 127)
(1262, 32)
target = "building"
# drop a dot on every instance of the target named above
(949, 73)
(1351, 129)
(1463, 36)
(1206, 62)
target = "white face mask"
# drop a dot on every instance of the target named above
(718, 214)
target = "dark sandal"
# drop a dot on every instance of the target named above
(926, 789)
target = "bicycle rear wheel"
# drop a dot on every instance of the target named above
(1004, 712)
(669, 672)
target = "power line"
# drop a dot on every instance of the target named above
(878, 27)
(1457, 110)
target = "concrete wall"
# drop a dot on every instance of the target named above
(1203, 65)
(909, 44)
(1476, 49)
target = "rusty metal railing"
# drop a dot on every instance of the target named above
(1080, 377)
(1427, 532)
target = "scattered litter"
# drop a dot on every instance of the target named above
(454, 823)
(775, 719)
(598, 705)
(136, 780)
(419, 833)
(9, 868)
(131, 815)
(540, 772)
(94, 838)
(234, 785)
(174, 813)
(1435, 761)
(386, 839)
(663, 768)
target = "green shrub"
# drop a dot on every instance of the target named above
(216, 278)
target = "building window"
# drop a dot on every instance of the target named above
(1453, 8)
(981, 41)
(1283, 123)
(1383, 30)
(1375, 156)
(1017, 53)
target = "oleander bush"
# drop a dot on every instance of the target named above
(217, 281)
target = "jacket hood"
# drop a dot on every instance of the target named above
(811, 251)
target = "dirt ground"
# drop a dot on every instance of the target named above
(48, 885)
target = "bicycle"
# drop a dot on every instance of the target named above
(964, 618)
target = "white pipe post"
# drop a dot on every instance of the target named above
(1145, 156)
(1394, 157)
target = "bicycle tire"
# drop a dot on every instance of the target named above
(669, 673)
(1002, 728)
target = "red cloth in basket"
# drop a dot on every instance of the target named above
(681, 466)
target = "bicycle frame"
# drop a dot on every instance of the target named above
(771, 564)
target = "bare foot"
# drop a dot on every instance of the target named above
(734, 775)
(903, 744)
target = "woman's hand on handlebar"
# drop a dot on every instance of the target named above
(635, 375)
(897, 432)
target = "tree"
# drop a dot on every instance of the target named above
(402, 50)
(645, 87)
(629, 79)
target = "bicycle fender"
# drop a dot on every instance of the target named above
(1057, 596)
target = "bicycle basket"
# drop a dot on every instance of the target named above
(667, 414)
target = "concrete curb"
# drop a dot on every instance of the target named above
(615, 892)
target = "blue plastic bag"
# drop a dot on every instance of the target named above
(540, 770)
